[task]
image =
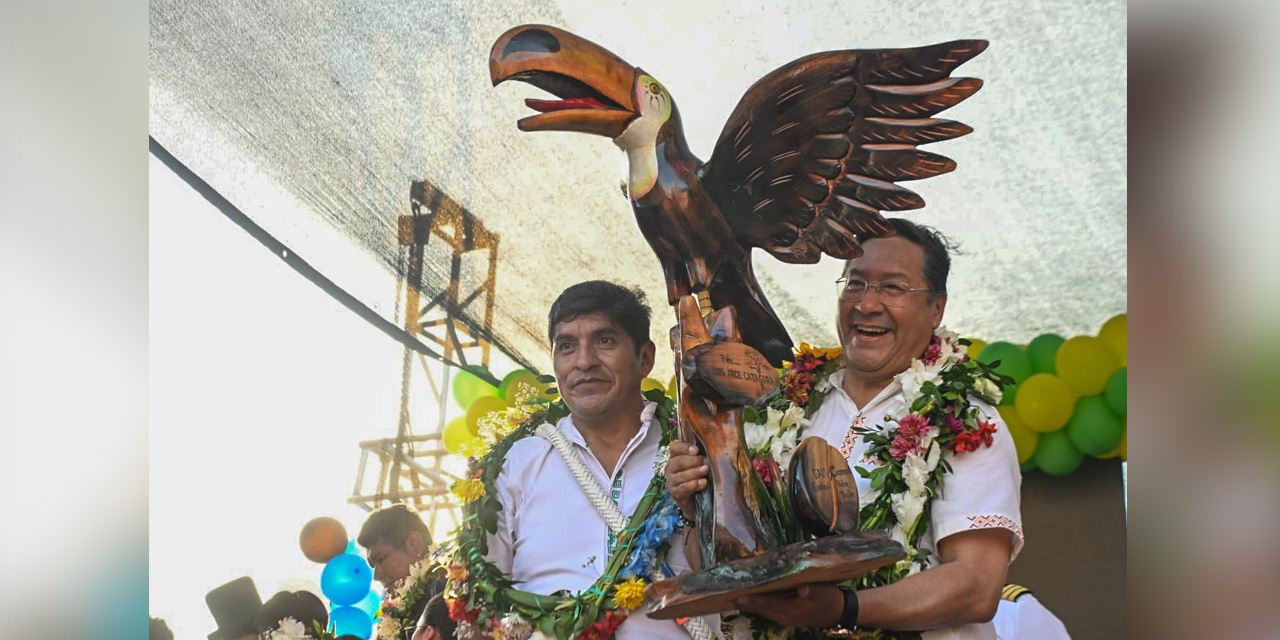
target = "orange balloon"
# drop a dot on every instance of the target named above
(322, 539)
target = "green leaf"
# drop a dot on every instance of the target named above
(547, 625)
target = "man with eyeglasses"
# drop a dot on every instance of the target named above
(890, 301)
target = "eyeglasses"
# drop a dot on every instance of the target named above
(892, 294)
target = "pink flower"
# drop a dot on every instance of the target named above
(932, 352)
(902, 445)
(951, 423)
(768, 470)
(914, 425)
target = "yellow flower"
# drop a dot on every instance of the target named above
(630, 594)
(468, 490)
(477, 447)
(457, 572)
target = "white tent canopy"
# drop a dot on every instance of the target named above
(314, 117)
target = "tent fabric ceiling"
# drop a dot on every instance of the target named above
(314, 118)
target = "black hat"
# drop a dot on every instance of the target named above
(233, 606)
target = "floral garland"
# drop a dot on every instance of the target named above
(290, 629)
(484, 601)
(403, 599)
(937, 387)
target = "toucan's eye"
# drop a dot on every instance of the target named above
(654, 88)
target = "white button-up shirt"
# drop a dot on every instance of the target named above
(982, 490)
(550, 537)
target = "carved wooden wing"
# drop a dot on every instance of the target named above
(814, 150)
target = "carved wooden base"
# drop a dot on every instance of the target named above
(829, 559)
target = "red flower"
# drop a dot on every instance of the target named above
(604, 628)
(796, 385)
(972, 440)
(768, 469)
(932, 352)
(458, 611)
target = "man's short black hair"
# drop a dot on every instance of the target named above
(623, 306)
(937, 252)
(392, 524)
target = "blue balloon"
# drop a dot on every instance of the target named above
(346, 579)
(370, 604)
(350, 620)
(353, 549)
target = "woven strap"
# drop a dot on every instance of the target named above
(697, 627)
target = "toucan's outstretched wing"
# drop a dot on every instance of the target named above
(811, 154)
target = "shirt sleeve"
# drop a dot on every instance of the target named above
(984, 487)
(500, 542)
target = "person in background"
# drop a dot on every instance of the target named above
(234, 606)
(435, 623)
(301, 609)
(1021, 616)
(395, 539)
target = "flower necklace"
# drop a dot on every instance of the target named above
(401, 602)
(908, 448)
(484, 601)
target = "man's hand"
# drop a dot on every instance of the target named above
(686, 475)
(812, 605)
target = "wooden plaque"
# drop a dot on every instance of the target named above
(823, 491)
(729, 373)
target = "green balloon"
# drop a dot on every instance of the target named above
(467, 387)
(1055, 455)
(1029, 465)
(1013, 361)
(1093, 429)
(1041, 351)
(1117, 393)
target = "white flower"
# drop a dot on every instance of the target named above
(515, 627)
(741, 629)
(823, 385)
(418, 571)
(757, 435)
(907, 508)
(914, 474)
(931, 461)
(793, 417)
(538, 635)
(915, 377)
(867, 497)
(664, 456)
(774, 420)
(465, 631)
(783, 446)
(898, 535)
(289, 629)
(986, 387)
(389, 627)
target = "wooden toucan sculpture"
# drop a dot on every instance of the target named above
(807, 161)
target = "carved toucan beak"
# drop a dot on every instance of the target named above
(595, 87)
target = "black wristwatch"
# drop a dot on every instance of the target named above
(849, 615)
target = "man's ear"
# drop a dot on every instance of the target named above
(647, 354)
(415, 544)
(937, 308)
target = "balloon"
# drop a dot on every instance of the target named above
(1115, 334)
(649, 383)
(1085, 364)
(1024, 439)
(1093, 429)
(1121, 449)
(353, 549)
(515, 382)
(1029, 465)
(1055, 455)
(1013, 362)
(672, 392)
(1117, 393)
(455, 435)
(975, 347)
(346, 579)
(322, 538)
(1044, 403)
(482, 407)
(467, 387)
(371, 604)
(350, 620)
(1041, 351)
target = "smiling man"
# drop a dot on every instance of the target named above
(891, 300)
(550, 537)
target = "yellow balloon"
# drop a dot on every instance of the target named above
(650, 383)
(975, 347)
(1121, 449)
(1024, 439)
(1085, 364)
(1115, 334)
(671, 388)
(455, 434)
(483, 406)
(516, 382)
(1044, 402)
